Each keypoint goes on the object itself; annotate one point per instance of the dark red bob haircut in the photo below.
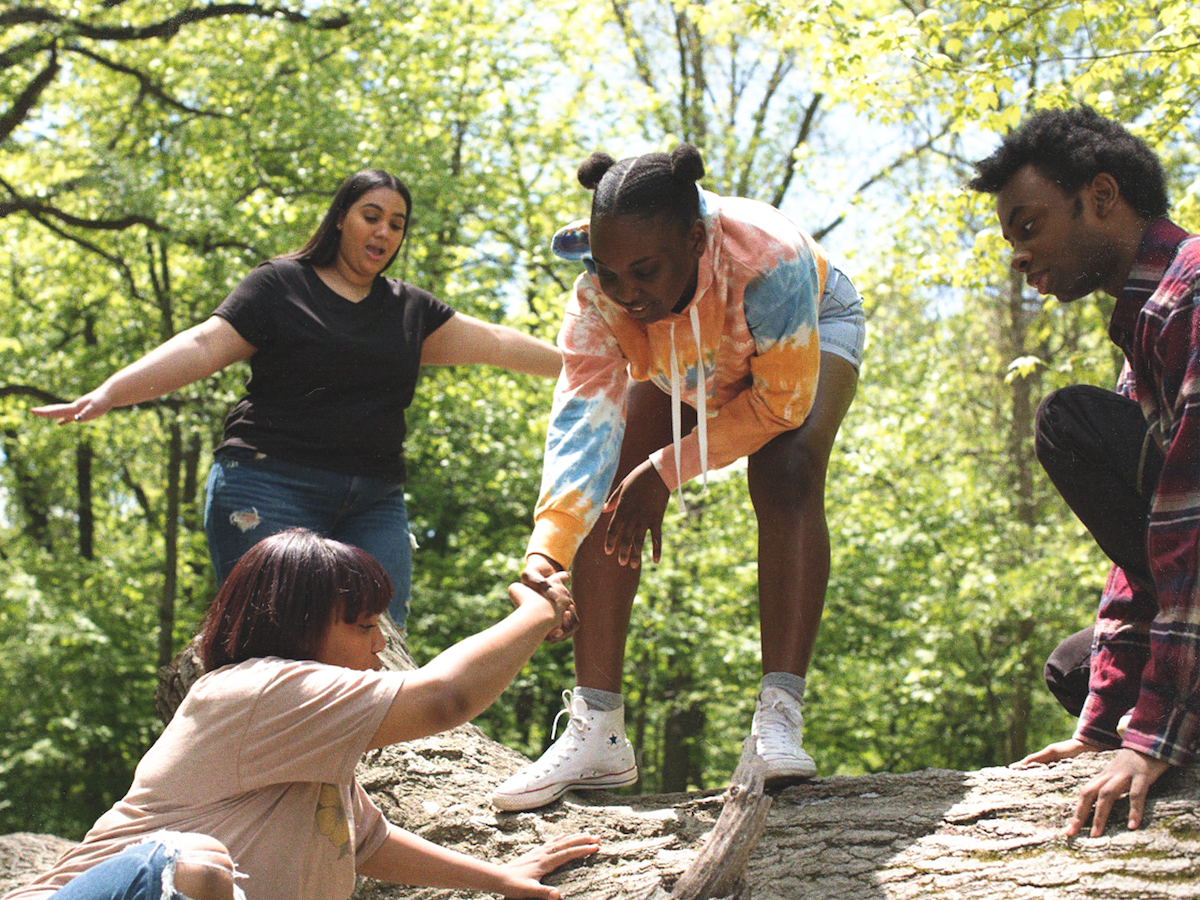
(283, 594)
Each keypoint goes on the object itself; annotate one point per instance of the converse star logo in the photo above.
(612, 739)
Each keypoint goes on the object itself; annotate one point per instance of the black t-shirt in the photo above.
(329, 379)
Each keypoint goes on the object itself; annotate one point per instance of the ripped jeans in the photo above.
(144, 871)
(251, 496)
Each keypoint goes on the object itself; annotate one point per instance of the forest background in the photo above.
(153, 151)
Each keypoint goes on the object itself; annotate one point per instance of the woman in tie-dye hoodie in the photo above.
(691, 340)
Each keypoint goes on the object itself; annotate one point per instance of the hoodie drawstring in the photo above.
(701, 405)
(676, 415)
(701, 394)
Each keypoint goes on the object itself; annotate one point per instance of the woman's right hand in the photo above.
(544, 576)
(525, 874)
(89, 406)
(555, 593)
(187, 357)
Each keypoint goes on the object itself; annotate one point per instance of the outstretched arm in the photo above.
(462, 681)
(405, 858)
(465, 340)
(189, 356)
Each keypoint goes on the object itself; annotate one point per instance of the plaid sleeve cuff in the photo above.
(1098, 723)
(1164, 731)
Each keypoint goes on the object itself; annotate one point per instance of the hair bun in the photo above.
(687, 164)
(592, 169)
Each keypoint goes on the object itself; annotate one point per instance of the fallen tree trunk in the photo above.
(993, 834)
(987, 835)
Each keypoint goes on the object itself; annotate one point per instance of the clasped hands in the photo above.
(544, 577)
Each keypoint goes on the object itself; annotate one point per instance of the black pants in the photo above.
(1096, 448)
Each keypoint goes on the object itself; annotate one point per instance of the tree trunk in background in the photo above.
(83, 490)
(1022, 465)
(682, 730)
(170, 587)
(1020, 426)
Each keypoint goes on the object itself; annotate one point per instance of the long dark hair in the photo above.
(282, 595)
(321, 249)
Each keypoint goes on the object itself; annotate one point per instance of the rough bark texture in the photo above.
(987, 834)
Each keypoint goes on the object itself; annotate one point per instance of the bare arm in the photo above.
(462, 681)
(539, 575)
(465, 340)
(405, 858)
(189, 356)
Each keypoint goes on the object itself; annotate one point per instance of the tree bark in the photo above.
(994, 834)
(720, 868)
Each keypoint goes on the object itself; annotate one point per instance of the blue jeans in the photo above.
(251, 496)
(133, 874)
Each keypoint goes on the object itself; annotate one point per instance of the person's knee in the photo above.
(792, 481)
(1067, 671)
(1048, 430)
(204, 869)
(1076, 420)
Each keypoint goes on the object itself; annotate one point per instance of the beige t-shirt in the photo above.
(260, 756)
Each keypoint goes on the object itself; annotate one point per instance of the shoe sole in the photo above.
(782, 781)
(542, 796)
(785, 775)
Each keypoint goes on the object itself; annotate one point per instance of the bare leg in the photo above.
(204, 870)
(604, 589)
(787, 487)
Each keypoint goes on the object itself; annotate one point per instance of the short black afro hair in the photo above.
(1071, 147)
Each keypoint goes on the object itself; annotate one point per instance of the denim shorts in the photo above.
(840, 319)
(251, 496)
(143, 871)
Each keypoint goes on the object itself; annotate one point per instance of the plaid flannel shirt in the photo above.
(1146, 654)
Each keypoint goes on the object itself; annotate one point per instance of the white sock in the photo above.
(785, 681)
(601, 701)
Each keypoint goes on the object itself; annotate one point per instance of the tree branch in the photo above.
(147, 86)
(641, 61)
(810, 114)
(165, 28)
(28, 390)
(24, 103)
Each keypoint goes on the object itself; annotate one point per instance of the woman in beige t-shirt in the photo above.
(250, 790)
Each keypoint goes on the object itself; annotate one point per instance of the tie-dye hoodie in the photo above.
(753, 321)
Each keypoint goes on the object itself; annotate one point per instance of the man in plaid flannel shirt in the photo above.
(1082, 202)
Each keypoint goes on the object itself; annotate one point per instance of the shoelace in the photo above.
(559, 749)
(777, 724)
(569, 711)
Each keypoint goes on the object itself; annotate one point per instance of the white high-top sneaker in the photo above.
(778, 727)
(592, 752)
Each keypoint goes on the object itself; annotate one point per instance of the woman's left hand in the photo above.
(637, 506)
(527, 871)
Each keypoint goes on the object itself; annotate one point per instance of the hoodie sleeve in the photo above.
(781, 313)
(583, 441)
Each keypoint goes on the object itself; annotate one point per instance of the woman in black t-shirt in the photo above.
(334, 349)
